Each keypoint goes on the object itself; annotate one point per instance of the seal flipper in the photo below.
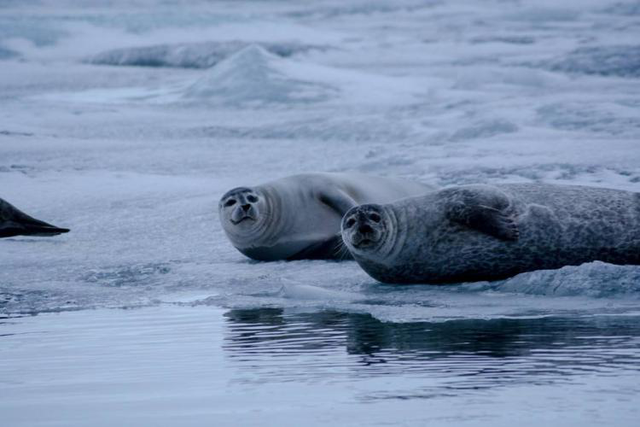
(14, 222)
(484, 209)
(332, 248)
(338, 201)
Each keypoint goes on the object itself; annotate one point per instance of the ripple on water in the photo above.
(456, 356)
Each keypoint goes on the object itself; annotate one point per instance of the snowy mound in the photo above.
(596, 279)
(188, 55)
(254, 75)
(619, 61)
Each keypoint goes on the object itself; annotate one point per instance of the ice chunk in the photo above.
(587, 117)
(508, 39)
(37, 30)
(253, 75)
(620, 61)
(484, 129)
(309, 292)
(623, 9)
(595, 279)
(250, 77)
(7, 53)
(543, 15)
(189, 55)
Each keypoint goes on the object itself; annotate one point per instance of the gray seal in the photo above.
(482, 232)
(14, 222)
(298, 217)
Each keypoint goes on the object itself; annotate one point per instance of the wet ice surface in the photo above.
(134, 158)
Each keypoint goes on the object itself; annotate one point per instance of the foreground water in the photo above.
(194, 366)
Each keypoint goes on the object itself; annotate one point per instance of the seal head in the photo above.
(244, 213)
(240, 205)
(367, 230)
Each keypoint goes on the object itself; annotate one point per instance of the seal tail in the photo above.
(14, 222)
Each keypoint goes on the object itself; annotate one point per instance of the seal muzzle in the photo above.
(363, 227)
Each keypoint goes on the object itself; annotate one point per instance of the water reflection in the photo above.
(458, 355)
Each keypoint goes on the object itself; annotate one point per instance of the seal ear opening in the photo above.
(338, 201)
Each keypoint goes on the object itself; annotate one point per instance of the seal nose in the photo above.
(246, 207)
(365, 228)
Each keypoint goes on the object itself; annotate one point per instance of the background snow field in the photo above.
(126, 121)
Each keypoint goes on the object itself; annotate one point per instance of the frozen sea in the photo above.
(127, 120)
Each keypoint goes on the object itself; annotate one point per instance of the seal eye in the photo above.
(350, 222)
(252, 198)
(375, 217)
(230, 202)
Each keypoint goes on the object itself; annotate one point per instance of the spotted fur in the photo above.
(443, 236)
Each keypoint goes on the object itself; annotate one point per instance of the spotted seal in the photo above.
(298, 217)
(14, 222)
(483, 232)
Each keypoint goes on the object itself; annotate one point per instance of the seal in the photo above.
(14, 222)
(298, 217)
(482, 232)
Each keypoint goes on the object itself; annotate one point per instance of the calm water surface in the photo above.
(174, 365)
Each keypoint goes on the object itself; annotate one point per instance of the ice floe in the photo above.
(134, 158)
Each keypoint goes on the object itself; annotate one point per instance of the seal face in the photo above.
(372, 234)
(481, 232)
(363, 227)
(246, 216)
(298, 217)
(242, 205)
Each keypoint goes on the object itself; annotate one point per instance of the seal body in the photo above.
(14, 222)
(482, 232)
(298, 217)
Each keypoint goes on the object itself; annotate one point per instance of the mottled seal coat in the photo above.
(14, 222)
(482, 232)
(298, 217)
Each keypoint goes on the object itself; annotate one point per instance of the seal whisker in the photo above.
(341, 251)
